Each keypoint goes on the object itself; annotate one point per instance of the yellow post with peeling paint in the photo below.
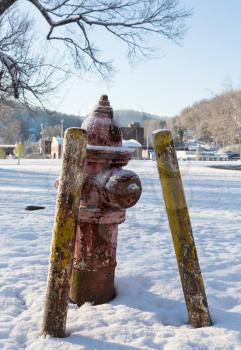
(180, 226)
(66, 218)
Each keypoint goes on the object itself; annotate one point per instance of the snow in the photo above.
(160, 131)
(149, 311)
(109, 149)
(131, 143)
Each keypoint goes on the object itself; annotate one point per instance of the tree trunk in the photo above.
(66, 218)
(180, 226)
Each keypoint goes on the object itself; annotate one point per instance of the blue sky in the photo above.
(209, 58)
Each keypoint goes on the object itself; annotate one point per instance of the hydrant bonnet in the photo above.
(101, 128)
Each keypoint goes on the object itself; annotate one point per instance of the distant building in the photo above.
(7, 150)
(45, 146)
(135, 146)
(133, 131)
(192, 144)
(148, 154)
(201, 155)
(56, 147)
(145, 154)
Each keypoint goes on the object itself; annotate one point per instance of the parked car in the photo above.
(233, 155)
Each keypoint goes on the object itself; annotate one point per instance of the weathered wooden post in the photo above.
(66, 217)
(180, 226)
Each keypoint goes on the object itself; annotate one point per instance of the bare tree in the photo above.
(10, 127)
(22, 73)
(72, 23)
(215, 120)
(233, 113)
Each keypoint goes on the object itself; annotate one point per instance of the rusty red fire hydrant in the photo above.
(107, 191)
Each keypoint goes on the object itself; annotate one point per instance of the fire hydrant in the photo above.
(107, 191)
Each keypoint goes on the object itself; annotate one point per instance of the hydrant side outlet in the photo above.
(107, 191)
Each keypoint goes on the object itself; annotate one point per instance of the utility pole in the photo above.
(62, 128)
(42, 139)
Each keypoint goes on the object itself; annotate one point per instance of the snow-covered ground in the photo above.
(149, 310)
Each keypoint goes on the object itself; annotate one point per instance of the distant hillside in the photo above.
(18, 123)
(148, 121)
(127, 116)
(215, 120)
(32, 122)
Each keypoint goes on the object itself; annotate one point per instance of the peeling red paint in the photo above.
(107, 191)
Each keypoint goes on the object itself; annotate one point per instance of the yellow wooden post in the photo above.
(180, 226)
(66, 218)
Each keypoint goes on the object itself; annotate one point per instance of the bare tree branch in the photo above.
(71, 22)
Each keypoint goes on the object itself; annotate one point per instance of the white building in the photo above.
(135, 146)
(56, 147)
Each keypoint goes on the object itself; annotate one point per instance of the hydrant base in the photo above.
(96, 287)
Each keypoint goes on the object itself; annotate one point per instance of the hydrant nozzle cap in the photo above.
(103, 106)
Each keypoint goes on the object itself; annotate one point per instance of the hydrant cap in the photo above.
(101, 128)
(104, 106)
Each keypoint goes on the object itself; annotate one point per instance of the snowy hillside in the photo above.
(149, 311)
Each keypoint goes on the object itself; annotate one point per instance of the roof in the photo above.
(7, 146)
(131, 143)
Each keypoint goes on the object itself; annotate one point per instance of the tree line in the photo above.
(17, 123)
(216, 120)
